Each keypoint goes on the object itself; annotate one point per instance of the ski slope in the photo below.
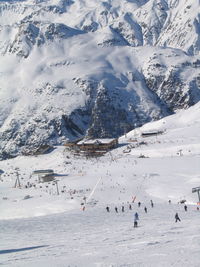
(46, 229)
(95, 238)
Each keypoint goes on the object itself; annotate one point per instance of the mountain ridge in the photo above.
(93, 68)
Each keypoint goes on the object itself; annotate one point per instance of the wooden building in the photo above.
(95, 145)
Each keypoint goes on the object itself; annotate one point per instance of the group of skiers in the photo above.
(136, 216)
(177, 219)
(129, 207)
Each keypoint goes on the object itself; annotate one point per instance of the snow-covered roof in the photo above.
(49, 171)
(96, 141)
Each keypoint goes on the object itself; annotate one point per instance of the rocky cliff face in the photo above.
(75, 68)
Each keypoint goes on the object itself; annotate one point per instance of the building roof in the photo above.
(152, 132)
(49, 171)
(96, 141)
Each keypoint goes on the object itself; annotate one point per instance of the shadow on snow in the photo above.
(5, 251)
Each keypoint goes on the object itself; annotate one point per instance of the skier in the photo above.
(84, 199)
(116, 210)
(136, 216)
(145, 209)
(122, 208)
(177, 217)
(130, 207)
(152, 203)
(185, 207)
(139, 204)
(170, 201)
(108, 209)
(135, 223)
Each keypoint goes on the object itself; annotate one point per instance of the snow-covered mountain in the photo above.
(96, 68)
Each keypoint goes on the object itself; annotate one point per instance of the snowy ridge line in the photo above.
(72, 65)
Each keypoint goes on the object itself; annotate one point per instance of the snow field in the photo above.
(97, 238)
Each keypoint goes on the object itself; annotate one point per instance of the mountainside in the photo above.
(160, 166)
(42, 224)
(96, 68)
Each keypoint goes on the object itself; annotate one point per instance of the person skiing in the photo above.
(145, 209)
(185, 207)
(84, 199)
(108, 209)
(135, 223)
(177, 217)
(170, 201)
(139, 204)
(122, 208)
(136, 216)
(116, 210)
(130, 207)
(152, 203)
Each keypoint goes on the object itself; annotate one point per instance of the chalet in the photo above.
(73, 144)
(98, 144)
(44, 175)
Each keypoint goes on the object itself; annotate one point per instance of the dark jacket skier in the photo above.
(145, 209)
(108, 209)
(116, 210)
(135, 223)
(177, 218)
(185, 208)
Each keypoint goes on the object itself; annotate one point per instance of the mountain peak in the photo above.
(91, 67)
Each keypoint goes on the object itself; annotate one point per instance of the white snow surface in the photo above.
(46, 229)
